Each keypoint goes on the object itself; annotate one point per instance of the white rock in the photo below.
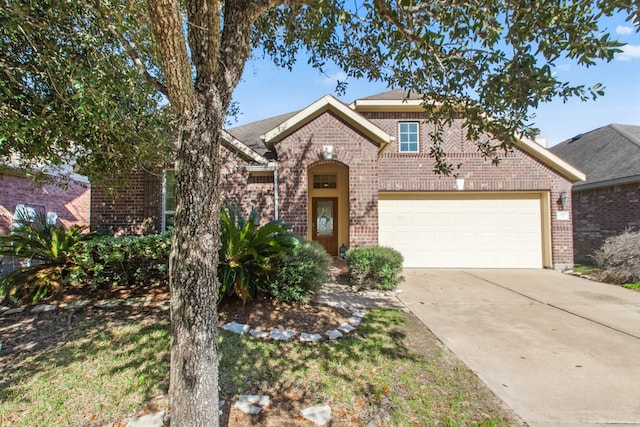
(40, 308)
(248, 408)
(255, 399)
(282, 334)
(259, 334)
(3, 308)
(235, 327)
(14, 310)
(78, 304)
(334, 334)
(357, 313)
(108, 303)
(319, 415)
(355, 321)
(305, 337)
(346, 328)
(150, 420)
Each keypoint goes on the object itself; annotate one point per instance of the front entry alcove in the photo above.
(328, 205)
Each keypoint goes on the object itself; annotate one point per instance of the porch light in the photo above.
(563, 200)
(327, 152)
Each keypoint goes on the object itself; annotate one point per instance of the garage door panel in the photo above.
(471, 231)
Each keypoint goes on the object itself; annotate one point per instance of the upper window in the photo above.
(324, 181)
(408, 137)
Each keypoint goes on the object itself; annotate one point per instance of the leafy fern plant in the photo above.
(48, 250)
(248, 252)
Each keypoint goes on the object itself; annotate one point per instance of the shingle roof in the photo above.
(250, 133)
(609, 153)
(394, 94)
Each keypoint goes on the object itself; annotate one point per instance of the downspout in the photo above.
(275, 189)
(276, 185)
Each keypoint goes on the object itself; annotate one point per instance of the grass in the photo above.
(589, 270)
(391, 370)
(586, 269)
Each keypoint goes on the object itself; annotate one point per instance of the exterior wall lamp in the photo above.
(327, 152)
(563, 200)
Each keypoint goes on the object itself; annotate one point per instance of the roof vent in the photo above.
(575, 138)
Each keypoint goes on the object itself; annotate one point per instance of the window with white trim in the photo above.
(409, 141)
(169, 199)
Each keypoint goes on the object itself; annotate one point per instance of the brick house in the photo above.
(608, 202)
(65, 199)
(361, 174)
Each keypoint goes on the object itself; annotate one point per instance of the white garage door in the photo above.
(470, 230)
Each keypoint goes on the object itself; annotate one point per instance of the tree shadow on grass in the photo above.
(343, 371)
(96, 363)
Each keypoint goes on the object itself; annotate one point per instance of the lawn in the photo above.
(392, 371)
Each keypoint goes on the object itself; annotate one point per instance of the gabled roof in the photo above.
(324, 104)
(250, 133)
(608, 155)
(243, 149)
(392, 100)
(544, 155)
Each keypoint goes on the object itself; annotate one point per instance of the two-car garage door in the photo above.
(463, 230)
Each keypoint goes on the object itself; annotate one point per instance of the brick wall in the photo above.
(303, 149)
(69, 199)
(601, 213)
(517, 171)
(136, 208)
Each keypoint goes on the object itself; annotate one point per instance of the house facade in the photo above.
(65, 200)
(361, 174)
(608, 202)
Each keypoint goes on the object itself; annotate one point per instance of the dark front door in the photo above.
(325, 223)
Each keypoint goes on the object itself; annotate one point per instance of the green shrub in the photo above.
(248, 252)
(619, 258)
(129, 260)
(374, 267)
(300, 273)
(49, 251)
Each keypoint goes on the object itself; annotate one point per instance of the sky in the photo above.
(266, 91)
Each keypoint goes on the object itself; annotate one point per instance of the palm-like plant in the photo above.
(248, 252)
(48, 250)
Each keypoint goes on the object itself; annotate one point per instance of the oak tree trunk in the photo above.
(193, 261)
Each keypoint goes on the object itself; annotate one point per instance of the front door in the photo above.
(325, 223)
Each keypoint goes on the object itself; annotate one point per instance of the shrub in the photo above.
(300, 273)
(49, 251)
(129, 260)
(374, 266)
(619, 258)
(248, 252)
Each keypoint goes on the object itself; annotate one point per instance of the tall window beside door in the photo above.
(409, 139)
(169, 199)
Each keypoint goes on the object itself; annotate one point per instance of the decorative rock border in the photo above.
(287, 335)
(104, 303)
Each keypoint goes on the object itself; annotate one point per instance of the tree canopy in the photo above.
(82, 79)
(74, 88)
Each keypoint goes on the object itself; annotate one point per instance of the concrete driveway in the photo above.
(557, 349)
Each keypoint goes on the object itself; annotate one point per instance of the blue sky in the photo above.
(266, 91)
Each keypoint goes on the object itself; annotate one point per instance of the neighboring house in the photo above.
(608, 202)
(66, 200)
(361, 174)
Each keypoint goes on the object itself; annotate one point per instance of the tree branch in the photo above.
(168, 32)
(203, 29)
